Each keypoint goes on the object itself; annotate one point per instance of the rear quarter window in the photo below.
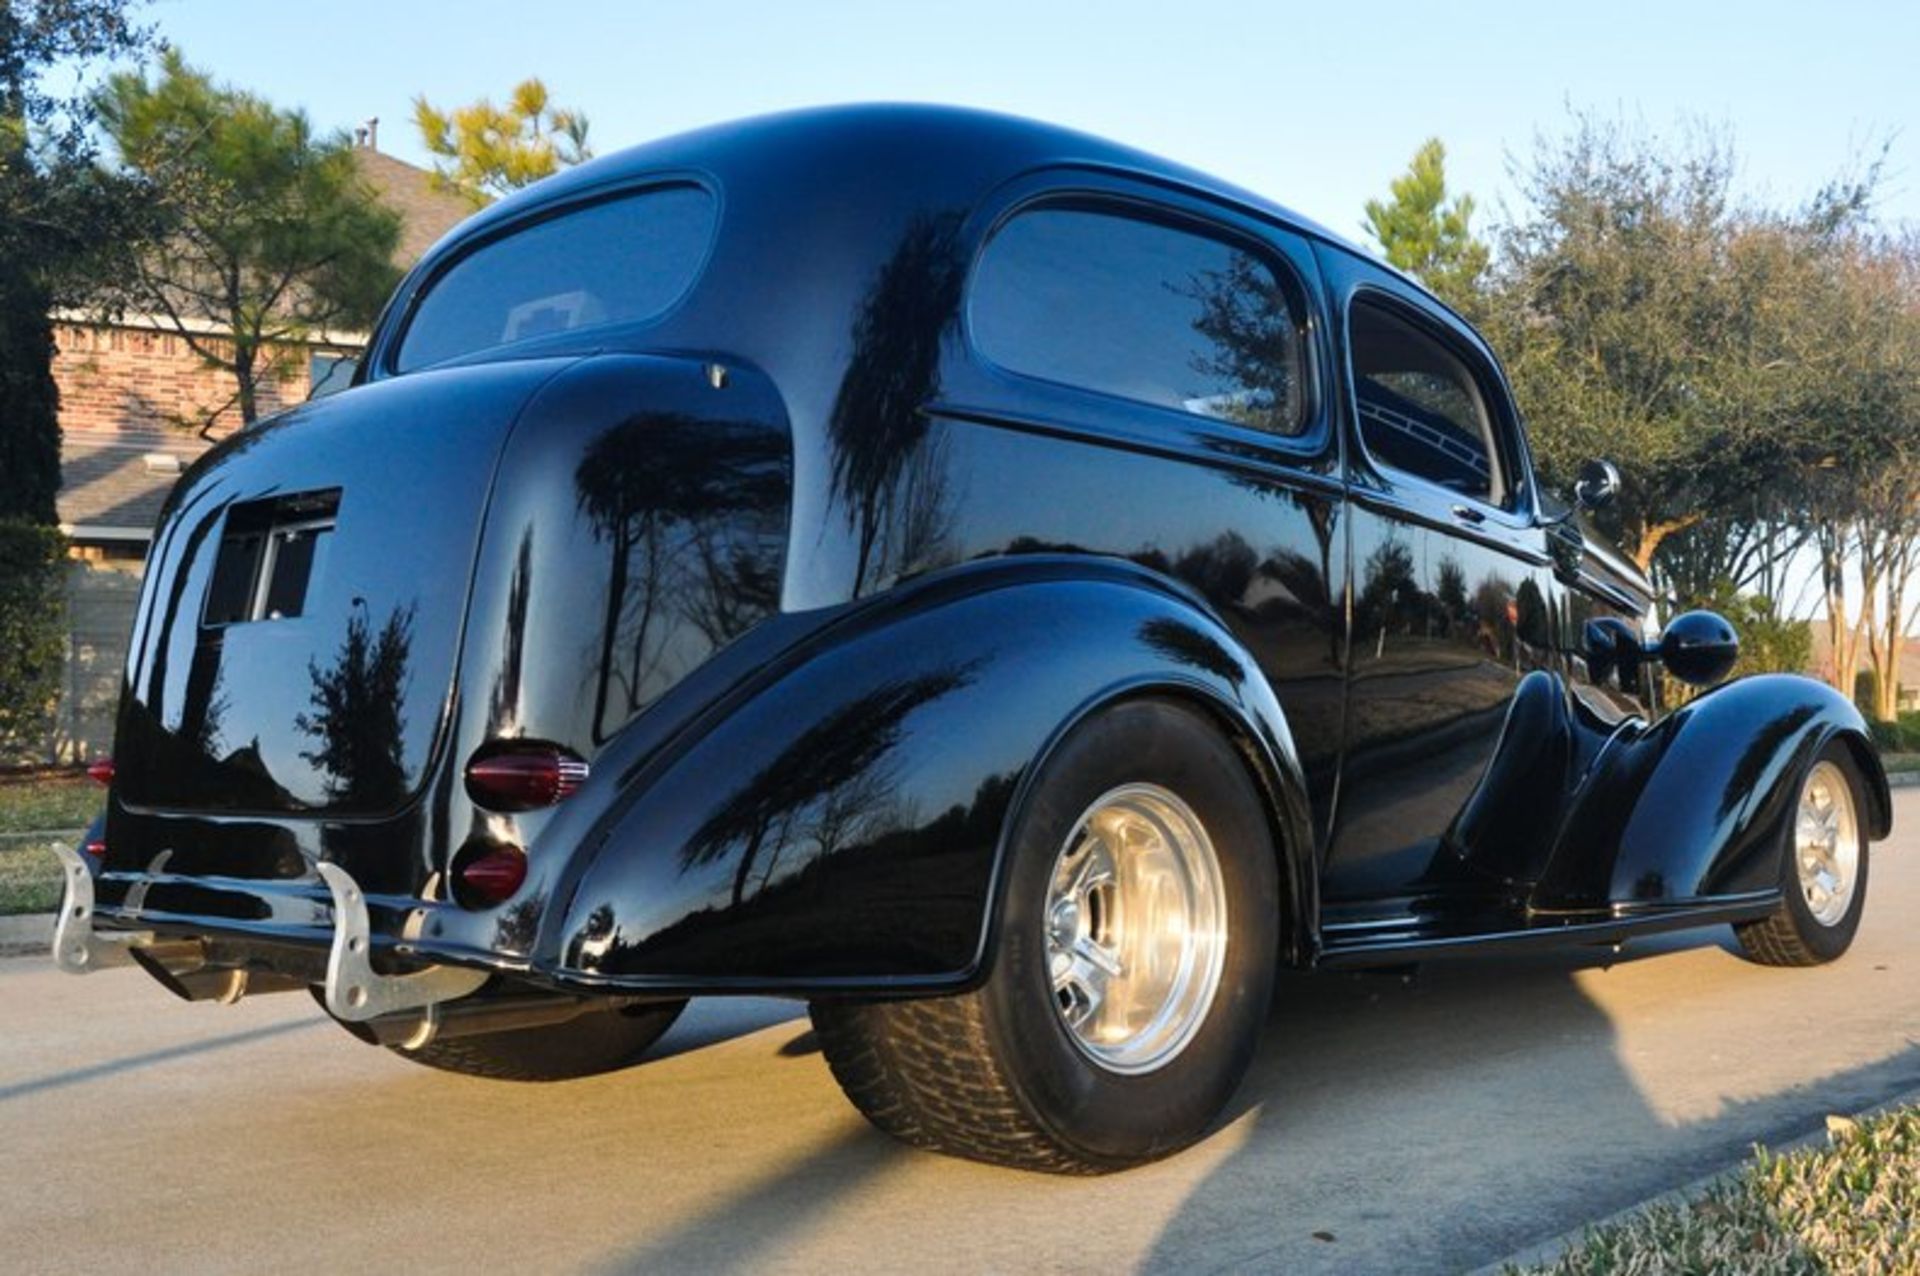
(626, 260)
(1140, 309)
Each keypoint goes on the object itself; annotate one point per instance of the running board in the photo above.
(1359, 948)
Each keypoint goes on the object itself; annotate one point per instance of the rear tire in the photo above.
(598, 1041)
(1037, 1071)
(1823, 869)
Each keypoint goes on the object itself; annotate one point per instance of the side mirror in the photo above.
(1612, 646)
(1698, 648)
(1598, 484)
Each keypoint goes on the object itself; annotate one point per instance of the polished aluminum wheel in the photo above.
(1826, 844)
(1136, 928)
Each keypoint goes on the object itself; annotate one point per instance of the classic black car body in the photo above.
(814, 585)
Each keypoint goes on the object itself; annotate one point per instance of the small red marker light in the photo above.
(100, 771)
(95, 847)
(492, 876)
(524, 777)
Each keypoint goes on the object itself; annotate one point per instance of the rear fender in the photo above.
(1693, 807)
(838, 822)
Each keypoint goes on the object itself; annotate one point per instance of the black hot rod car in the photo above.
(1005, 589)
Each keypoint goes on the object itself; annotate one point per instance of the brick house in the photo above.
(133, 397)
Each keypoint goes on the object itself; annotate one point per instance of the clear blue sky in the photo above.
(1316, 106)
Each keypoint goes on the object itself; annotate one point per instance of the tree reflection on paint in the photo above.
(892, 487)
(357, 718)
(695, 513)
(830, 787)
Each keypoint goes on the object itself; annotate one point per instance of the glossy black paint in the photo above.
(1699, 648)
(868, 779)
(814, 587)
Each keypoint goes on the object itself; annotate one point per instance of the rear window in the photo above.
(1145, 311)
(623, 261)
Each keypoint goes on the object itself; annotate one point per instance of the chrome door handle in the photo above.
(1468, 514)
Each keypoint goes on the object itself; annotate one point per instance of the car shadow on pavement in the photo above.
(1442, 1123)
(748, 1225)
(114, 1067)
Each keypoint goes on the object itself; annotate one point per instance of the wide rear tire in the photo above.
(1145, 849)
(598, 1041)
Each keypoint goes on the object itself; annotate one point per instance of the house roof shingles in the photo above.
(110, 489)
(426, 210)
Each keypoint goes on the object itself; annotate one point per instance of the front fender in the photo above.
(1693, 807)
(838, 824)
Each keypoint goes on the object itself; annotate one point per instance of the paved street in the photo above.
(1430, 1127)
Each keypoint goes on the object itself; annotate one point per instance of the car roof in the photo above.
(891, 139)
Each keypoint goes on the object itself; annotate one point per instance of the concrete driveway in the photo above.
(1435, 1126)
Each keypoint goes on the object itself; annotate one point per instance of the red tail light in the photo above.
(100, 771)
(524, 777)
(96, 847)
(490, 876)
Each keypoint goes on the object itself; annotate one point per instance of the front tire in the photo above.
(1823, 883)
(1134, 965)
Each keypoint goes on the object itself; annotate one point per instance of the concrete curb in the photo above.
(1550, 1250)
(1903, 779)
(27, 935)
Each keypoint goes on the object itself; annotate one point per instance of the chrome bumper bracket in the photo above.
(78, 948)
(355, 991)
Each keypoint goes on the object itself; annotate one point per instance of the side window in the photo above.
(1144, 311)
(1421, 408)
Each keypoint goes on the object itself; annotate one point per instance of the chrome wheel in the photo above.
(1136, 928)
(1826, 844)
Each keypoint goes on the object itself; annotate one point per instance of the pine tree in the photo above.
(488, 151)
(1427, 236)
(267, 233)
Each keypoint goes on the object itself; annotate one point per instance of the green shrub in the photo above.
(32, 636)
(1897, 737)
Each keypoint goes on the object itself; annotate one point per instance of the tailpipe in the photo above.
(187, 969)
(478, 1016)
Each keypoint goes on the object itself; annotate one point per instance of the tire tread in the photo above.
(1774, 940)
(924, 1072)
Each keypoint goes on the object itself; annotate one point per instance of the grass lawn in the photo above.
(1850, 1207)
(29, 875)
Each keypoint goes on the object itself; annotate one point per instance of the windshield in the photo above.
(622, 261)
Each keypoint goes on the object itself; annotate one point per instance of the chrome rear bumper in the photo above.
(353, 992)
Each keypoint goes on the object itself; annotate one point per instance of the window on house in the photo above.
(329, 372)
(1420, 406)
(1145, 311)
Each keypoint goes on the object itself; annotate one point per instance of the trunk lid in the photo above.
(300, 622)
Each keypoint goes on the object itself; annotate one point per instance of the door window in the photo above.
(1421, 408)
